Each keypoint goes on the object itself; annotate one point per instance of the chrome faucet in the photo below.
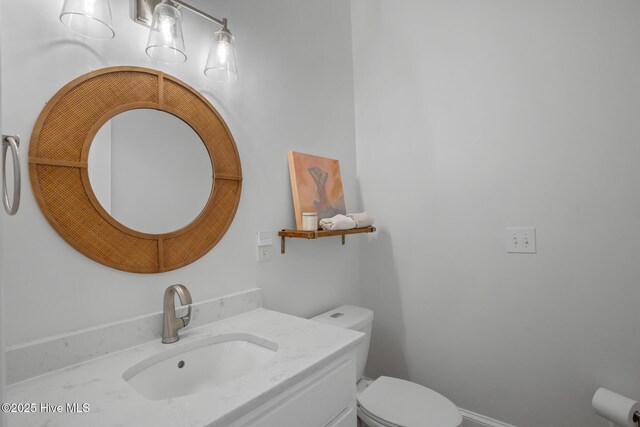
(171, 324)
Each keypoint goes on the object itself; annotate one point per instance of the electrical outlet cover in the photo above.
(264, 253)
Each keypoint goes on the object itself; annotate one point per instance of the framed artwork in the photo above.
(316, 186)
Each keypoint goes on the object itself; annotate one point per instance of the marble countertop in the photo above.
(303, 348)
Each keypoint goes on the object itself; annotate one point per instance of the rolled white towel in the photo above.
(362, 219)
(338, 222)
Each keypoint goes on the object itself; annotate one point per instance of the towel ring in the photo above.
(13, 142)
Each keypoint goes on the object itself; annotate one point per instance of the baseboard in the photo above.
(471, 419)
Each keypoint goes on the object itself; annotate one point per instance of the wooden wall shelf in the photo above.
(301, 234)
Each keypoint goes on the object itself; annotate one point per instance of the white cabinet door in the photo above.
(314, 402)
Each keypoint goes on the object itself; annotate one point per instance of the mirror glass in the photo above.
(150, 171)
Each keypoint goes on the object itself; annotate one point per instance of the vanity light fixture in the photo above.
(167, 44)
(92, 18)
(89, 18)
(221, 62)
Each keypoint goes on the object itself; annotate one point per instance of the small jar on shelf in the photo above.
(310, 221)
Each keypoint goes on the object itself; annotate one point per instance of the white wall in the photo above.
(2, 346)
(2, 301)
(478, 115)
(295, 93)
(2, 314)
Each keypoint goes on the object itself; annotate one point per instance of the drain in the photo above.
(181, 364)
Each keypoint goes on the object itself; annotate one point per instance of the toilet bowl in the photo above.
(386, 401)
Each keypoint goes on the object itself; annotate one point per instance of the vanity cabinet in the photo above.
(308, 378)
(326, 398)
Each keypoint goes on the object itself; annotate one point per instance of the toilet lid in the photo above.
(408, 404)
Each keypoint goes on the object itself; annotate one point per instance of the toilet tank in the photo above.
(357, 319)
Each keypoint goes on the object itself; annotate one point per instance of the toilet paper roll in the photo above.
(614, 407)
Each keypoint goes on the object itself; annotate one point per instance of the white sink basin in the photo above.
(186, 368)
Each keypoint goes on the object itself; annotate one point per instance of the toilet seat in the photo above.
(397, 403)
(372, 421)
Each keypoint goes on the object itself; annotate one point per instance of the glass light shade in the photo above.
(221, 62)
(90, 18)
(166, 43)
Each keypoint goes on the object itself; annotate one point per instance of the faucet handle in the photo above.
(186, 319)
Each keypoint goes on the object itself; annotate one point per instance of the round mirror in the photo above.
(150, 171)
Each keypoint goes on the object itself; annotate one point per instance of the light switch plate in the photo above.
(520, 240)
(265, 238)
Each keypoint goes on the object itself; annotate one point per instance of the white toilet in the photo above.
(390, 402)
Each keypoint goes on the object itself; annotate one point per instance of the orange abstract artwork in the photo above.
(316, 186)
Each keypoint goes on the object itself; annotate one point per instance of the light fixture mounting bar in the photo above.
(221, 22)
(143, 11)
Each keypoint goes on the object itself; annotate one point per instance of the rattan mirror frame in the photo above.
(58, 169)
